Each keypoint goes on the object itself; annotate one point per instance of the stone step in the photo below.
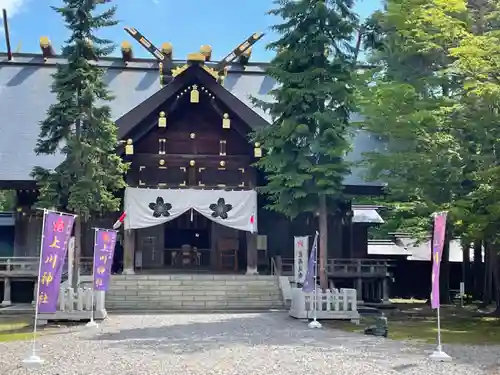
(194, 286)
(193, 292)
(191, 298)
(194, 305)
(184, 277)
(214, 297)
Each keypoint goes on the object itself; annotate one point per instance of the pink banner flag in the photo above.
(437, 251)
(57, 229)
(104, 249)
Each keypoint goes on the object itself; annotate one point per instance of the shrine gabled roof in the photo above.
(25, 96)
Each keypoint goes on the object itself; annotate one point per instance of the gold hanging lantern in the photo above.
(162, 120)
(129, 147)
(195, 94)
(226, 121)
(160, 68)
(257, 150)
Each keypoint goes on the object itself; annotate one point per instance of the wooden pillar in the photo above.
(252, 237)
(6, 293)
(35, 296)
(128, 252)
(251, 253)
(21, 227)
(359, 289)
(385, 290)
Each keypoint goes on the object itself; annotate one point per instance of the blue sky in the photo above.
(187, 24)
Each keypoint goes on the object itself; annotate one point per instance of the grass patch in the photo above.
(403, 301)
(12, 326)
(16, 336)
(454, 329)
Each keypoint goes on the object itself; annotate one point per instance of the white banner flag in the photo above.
(301, 246)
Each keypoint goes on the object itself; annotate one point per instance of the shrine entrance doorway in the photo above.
(195, 230)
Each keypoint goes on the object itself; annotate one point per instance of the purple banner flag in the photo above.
(437, 251)
(55, 237)
(104, 250)
(310, 280)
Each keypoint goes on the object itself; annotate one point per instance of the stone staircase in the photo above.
(193, 292)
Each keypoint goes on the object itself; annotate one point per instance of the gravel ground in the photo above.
(240, 344)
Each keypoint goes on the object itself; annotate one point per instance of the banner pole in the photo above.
(436, 253)
(33, 359)
(315, 323)
(92, 323)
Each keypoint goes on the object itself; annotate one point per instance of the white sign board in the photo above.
(301, 250)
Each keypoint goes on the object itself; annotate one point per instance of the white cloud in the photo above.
(13, 6)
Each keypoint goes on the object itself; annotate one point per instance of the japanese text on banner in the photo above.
(56, 234)
(104, 249)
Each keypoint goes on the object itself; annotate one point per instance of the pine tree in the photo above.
(308, 139)
(79, 126)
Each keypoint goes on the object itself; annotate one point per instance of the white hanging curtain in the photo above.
(150, 207)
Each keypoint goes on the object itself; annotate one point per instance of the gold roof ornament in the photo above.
(46, 47)
(257, 150)
(179, 70)
(162, 120)
(226, 121)
(129, 147)
(127, 53)
(206, 50)
(195, 57)
(194, 95)
(167, 49)
(245, 56)
(210, 71)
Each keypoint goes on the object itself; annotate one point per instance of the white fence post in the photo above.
(331, 304)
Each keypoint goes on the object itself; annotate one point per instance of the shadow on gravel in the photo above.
(273, 329)
(254, 330)
(248, 330)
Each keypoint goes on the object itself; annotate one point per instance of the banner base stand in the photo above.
(91, 324)
(33, 361)
(314, 324)
(440, 356)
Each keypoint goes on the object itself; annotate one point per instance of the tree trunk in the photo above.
(323, 241)
(78, 252)
(444, 277)
(478, 274)
(496, 277)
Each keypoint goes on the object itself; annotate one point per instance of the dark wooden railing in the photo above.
(341, 268)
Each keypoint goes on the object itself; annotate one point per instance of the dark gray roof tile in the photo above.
(25, 96)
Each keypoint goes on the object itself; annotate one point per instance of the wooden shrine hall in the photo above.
(184, 125)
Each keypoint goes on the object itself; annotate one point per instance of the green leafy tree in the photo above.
(79, 125)
(441, 121)
(308, 139)
(7, 200)
(407, 102)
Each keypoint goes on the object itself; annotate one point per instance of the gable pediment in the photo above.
(192, 75)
